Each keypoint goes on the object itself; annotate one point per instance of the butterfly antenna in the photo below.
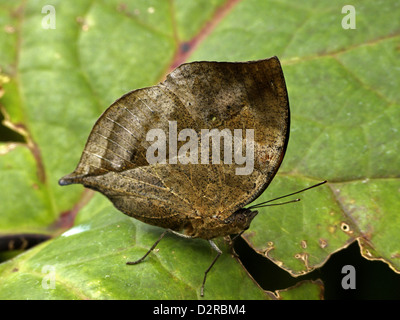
(260, 205)
(264, 204)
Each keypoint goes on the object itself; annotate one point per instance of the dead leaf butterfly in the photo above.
(188, 154)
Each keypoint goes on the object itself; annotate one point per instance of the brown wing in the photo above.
(198, 95)
(247, 95)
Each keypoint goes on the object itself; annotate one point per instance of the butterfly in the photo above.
(171, 155)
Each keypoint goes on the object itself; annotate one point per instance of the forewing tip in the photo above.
(68, 179)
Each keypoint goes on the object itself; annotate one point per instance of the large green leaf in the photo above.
(89, 262)
(54, 84)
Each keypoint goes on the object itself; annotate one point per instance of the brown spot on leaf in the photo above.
(346, 228)
(323, 243)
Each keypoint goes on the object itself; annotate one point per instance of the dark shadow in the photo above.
(374, 279)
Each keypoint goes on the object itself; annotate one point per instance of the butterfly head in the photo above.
(241, 219)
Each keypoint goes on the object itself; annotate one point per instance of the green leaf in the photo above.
(26, 206)
(370, 204)
(301, 236)
(343, 103)
(304, 290)
(54, 84)
(89, 262)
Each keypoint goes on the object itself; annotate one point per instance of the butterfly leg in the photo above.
(219, 252)
(214, 246)
(150, 250)
(237, 236)
(180, 234)
(156, 243)
(231, 241)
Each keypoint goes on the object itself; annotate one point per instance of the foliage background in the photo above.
(344, 97)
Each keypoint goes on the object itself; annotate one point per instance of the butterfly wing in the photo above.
(198, 95)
